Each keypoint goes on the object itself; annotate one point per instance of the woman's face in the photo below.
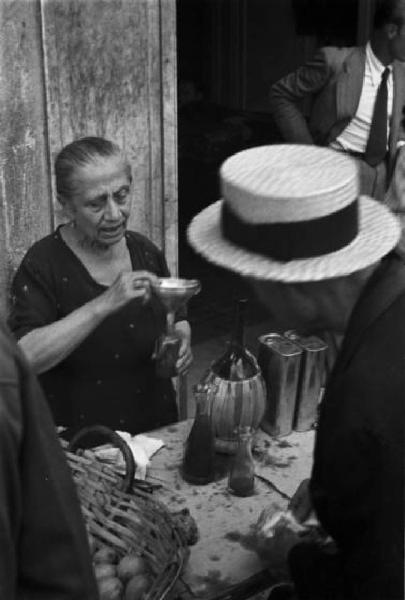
(100, 205)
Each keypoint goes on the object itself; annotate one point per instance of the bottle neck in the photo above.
(202, 405)
(238, 334)
(245, 439)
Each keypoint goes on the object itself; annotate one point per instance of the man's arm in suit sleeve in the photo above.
(287, 94)
(395, 195)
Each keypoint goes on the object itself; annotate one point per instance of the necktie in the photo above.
(377, 140)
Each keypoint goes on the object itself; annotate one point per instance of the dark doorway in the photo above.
(229, 53)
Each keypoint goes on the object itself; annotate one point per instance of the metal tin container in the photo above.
(311, 380)
(279, 360)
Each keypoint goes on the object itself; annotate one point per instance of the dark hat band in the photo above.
(293, 240)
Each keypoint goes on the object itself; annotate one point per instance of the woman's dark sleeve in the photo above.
(33, 302)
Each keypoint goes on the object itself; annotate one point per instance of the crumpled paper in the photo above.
(143, 447)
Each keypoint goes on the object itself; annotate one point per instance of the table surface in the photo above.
(224, 555)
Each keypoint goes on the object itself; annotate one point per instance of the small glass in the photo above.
(242, 474)
(199, 453)
(173, 294)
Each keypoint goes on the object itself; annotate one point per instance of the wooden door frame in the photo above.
(169, 133)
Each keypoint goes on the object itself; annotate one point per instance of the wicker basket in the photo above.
(125, 518)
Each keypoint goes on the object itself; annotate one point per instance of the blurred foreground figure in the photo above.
(43, 544)
(322, 258)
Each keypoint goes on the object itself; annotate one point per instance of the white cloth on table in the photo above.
(143, 447)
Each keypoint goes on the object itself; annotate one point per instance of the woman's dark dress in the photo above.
(109, 378)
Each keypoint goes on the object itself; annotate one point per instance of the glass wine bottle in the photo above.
(199, 453)
(237, 363)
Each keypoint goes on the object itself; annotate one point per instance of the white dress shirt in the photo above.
(355, 136)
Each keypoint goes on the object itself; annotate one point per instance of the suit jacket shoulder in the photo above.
(337, 58)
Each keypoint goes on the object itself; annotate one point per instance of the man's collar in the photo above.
(376, 66)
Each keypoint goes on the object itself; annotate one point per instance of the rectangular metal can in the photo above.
(279, 360)
(311, 379)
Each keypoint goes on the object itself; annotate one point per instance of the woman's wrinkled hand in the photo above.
(185, 356)
(128, 286)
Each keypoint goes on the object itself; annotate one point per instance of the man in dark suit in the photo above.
(343, 86)
(321, 257)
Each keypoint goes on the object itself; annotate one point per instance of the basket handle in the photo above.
(116, 440)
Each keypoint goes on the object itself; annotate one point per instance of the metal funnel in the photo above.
(174, 292)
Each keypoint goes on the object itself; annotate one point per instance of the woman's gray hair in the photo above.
(78, 154)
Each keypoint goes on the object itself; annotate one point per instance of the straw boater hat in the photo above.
(292, 213)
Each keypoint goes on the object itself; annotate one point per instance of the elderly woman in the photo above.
(83, 308)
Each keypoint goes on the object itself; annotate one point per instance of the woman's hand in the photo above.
(185, 356)
(127, 286)
(47, 346)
